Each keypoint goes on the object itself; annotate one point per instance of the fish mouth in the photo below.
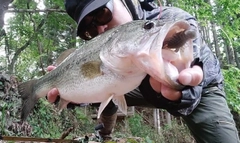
(175, 42)
(178, 35)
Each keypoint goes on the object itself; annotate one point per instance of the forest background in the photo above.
(34, 33)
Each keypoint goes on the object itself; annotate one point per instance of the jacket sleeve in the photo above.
(203, 57)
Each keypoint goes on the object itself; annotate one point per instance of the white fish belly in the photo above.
(99, 89)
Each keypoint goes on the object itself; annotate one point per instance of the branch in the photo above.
(19, 51)
(66, 133)
(35, 10)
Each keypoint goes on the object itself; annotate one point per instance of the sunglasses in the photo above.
(88, 26)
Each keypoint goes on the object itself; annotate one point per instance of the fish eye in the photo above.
(148, 25)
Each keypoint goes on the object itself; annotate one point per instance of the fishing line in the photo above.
(160, 12)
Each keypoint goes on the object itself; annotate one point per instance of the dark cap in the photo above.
(78, 9)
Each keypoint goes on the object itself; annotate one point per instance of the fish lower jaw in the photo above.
(170, 69)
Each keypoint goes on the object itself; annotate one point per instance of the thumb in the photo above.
(191, 76)
(52, 95)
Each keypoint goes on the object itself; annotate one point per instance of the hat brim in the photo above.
(93, 5)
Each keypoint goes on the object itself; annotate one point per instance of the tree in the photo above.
(36, 36)
(3, 9)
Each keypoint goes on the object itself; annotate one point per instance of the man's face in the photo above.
(90, 23)
(102, 19)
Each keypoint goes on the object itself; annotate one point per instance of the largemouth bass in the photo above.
(114, 63)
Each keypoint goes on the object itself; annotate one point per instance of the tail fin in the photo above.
(29, 99)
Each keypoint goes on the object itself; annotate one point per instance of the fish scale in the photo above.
(113, 64)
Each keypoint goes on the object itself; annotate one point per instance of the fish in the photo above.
(63, 56)
(115, 63)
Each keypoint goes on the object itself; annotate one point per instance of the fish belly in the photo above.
(99, 89)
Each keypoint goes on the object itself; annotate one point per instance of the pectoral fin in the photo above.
(121, 103)
(103, 105)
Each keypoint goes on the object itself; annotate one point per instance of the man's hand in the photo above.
(53, 93)
(190, 76)
(50, 68)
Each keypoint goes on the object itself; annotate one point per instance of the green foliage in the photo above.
(138, 128)
(45, 121)
(232, 87)
(48, 122)
(135, 124)
(177, 133)
(34, 39)
(9, 111)
(169, 134)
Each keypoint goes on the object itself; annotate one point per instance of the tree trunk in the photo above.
(206, 36)
(231, 55)
(3, 8)
(237, 57)
(215, 41)
(203, 32)
(168, 118)
(157, 120)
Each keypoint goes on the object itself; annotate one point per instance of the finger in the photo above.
(170, 93)
(50, 68)
(166, 91)
(191, 76)
(52, 95)
(155, 85)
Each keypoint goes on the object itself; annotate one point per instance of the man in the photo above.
(201, 103)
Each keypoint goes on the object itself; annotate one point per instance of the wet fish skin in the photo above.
(63, 56)
(113, 64)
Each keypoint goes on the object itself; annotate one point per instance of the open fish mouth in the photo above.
(177, 46)
(178, 36)
(177, 51)
(170, 53)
